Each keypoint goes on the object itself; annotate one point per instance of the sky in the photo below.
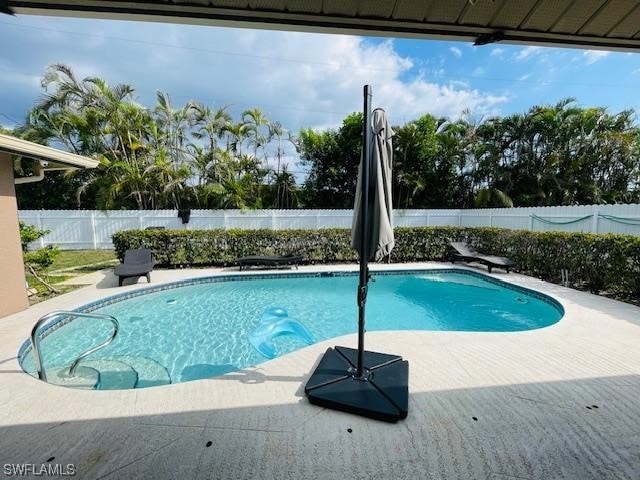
(307, 80)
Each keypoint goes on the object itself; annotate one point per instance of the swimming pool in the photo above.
(200, 328)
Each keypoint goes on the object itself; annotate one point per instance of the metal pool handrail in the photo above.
(35, 339)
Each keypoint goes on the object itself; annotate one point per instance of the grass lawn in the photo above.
(83, 260)
(69, 264)
(43, 291)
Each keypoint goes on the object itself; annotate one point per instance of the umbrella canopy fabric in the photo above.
(380, 212)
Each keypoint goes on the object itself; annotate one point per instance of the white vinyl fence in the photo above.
(86, 229)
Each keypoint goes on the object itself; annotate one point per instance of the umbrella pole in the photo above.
(364, 227)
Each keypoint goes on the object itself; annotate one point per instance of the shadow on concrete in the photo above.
(231, 373)
(7, 360)
(580, 429)
(109, 279)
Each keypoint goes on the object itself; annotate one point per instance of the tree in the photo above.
(254, 123)
(165, 157)
(332, 158)
(492, 198)
(284, 189)
(37, 261)
(175, 124)
(194, 155)
(416, 150)
(211, 127)
(277, 132)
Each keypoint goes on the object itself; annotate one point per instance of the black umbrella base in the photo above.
(382, 393)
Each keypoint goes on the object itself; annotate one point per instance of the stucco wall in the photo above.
(13, 294)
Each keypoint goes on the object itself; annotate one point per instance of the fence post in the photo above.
(93, 229)
(530, 221)
(594, 224)
(39, 224)
(273, 220)
(490, 218)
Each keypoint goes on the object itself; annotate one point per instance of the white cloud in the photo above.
(459, 83)
(456, 51)
(592, 56)
(524, 77)
(300, 79)
(497, 52)
(527, 52)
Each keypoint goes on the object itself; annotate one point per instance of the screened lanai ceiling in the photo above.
(603, 24)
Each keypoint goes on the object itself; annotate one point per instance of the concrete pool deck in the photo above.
(561, 402)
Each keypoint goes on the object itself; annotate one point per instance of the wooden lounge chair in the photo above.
(137, 263)
(463, 251)
(269, 261)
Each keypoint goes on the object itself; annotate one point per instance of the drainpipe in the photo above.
(40, 169)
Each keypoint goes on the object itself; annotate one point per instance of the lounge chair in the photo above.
(269, 260)
(465, 252)
(137, 263)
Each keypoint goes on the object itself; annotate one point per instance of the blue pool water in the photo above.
(201, 330)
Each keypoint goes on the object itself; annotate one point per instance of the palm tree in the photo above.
(276, 131)
(254, 120)
(286, 189)
(492, 197)
(236, 135)
(79, 113)
(213, 125)
(176, 124)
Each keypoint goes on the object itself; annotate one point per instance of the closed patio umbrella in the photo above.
(366, 383)
(379, 237)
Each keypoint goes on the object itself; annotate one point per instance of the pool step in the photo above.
(150, 372)
(95, 374)
(114, 374)
(86, 378)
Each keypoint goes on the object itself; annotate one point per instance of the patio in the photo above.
(559, 402)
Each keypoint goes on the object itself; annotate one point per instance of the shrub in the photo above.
(39, 259)
(175, 248)
(597, 262)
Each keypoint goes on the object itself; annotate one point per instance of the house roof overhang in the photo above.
(597, 24)
(56, 158)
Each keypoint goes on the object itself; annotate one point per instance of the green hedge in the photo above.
(596, 262)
